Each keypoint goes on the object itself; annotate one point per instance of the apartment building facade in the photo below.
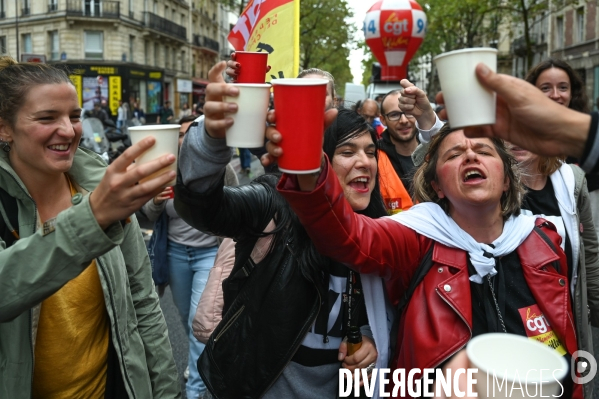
(132, 50)
(576, 40)
(568, 31)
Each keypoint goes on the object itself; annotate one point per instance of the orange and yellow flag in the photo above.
(271, 26)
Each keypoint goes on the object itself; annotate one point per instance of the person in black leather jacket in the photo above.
(284, 318)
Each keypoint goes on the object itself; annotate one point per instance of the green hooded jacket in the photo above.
(39, 264)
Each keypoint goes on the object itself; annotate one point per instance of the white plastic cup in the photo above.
(512, 362)
(167, 142)
(467, 102)
(249, 122)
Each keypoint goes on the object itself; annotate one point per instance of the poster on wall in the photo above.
(94, 90)
(154, 92)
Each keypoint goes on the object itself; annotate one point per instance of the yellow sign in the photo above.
(155, 75)
(104, 70)
(114, 93)
(76, 79)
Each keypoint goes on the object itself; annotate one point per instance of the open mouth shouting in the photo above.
(473, 175)
(360, 184)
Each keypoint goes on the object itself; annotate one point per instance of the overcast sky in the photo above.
(360, 8)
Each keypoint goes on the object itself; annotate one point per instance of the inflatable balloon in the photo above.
(394, 29)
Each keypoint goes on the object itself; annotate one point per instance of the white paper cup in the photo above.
(508, 362)
(167, 142)
(467, 102)
(249, 122)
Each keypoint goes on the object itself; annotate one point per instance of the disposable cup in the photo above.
(253, 66)
(167, 142)
(249, 122)
(513, 366)
(172, 193)
(467, 102)
(299, 107)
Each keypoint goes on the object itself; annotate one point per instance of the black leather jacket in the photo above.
(269, 307)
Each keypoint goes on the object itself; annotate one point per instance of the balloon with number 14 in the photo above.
(394, 29)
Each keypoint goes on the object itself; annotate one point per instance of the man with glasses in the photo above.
(397, 143)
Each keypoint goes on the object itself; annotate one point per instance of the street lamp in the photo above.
(17, 26)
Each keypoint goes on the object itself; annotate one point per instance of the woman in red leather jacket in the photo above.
(493, 269)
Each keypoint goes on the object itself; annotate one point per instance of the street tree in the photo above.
(326, 38)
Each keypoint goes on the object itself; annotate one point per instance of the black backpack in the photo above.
(9, 232)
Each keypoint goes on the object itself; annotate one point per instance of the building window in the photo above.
(131, 42)
(52, 5)
(156, 54)
(3, 45)
(94, 45)
(146, 52)
(559, 32)
(167, 57)
(580, 25)
(53, 45)
(26, 10)
(2, 9)
(183, 62)
(27, 45)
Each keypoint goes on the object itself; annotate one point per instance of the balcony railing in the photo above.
(52, 7)
(2, 15)
(163, 25)
(101, 9)
(206, 42)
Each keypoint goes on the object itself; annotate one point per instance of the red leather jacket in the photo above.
(437, 322)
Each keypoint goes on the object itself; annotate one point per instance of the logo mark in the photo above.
(583, 367)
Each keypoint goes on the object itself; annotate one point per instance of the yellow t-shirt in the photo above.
(71, 349)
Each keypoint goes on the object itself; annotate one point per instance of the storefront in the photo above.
(112, 83)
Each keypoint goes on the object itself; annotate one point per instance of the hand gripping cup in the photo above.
(253, 66)
(249, 122)
(467, 102)
(514, 366)
(299, 108)
(167, 142)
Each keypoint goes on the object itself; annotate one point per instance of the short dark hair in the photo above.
(392, 92)
(188, 118)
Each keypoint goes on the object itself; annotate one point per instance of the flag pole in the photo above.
(296, 37)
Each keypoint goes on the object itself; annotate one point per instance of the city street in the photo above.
(176, 332)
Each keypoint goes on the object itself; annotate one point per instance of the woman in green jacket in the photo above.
(79, 316)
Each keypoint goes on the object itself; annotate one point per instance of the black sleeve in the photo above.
(226, 211)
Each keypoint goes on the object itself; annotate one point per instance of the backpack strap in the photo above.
(9, 229)
(423, 268)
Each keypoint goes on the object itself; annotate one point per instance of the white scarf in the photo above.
(563, 182)
(431, 221)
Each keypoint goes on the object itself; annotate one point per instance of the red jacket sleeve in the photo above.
(380, 246)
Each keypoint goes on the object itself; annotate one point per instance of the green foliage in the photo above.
(367, 62)
(326, 38)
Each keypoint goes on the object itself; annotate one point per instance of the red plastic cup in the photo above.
(299, 107)
(253, 66)
(172, 193)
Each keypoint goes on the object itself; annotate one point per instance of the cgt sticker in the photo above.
(538, 328)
